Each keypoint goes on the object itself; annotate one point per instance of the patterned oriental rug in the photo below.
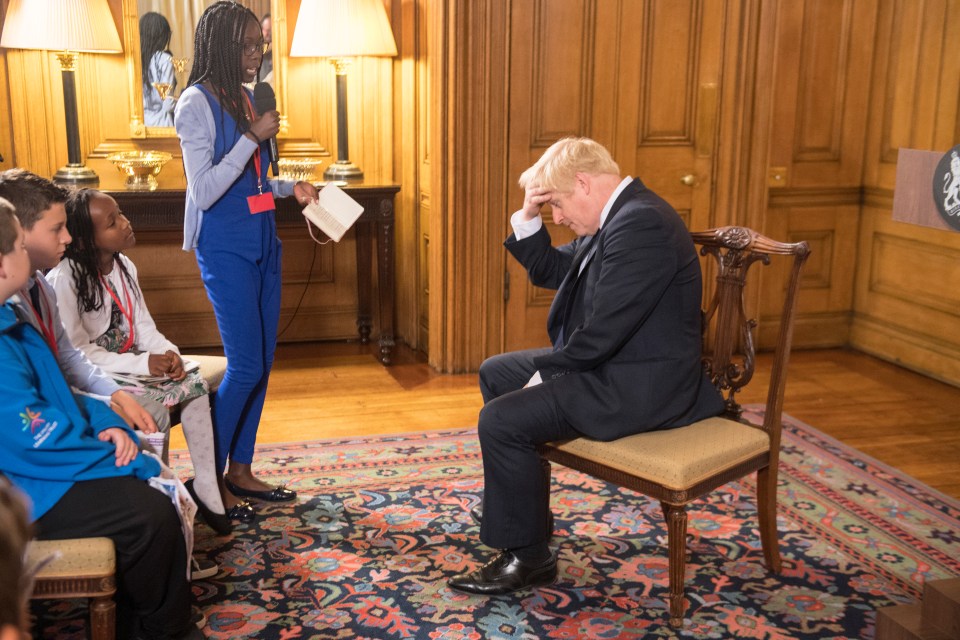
(383, 522)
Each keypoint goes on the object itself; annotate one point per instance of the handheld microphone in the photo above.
(265, 100)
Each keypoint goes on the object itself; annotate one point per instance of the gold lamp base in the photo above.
(343, 170)
(76, 175)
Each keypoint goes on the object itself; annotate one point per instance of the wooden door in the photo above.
(640, 77)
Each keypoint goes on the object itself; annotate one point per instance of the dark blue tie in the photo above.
(582, 250)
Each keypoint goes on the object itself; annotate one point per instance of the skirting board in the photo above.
(914, 351)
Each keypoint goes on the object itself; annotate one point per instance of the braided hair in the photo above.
(217, 51)
(154, 36)
(83, 252)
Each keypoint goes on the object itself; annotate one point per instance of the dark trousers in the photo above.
(513, 422)
(153, 595)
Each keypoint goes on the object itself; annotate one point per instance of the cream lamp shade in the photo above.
(60, 25)
(65, 27)
(340, 30)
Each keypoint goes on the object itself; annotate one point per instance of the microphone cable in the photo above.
(306, 286)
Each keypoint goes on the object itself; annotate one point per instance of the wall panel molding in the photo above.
(814, 196)
(810, 330)
(562, 91)
(902, 270)
(823, 80)
(668, 100)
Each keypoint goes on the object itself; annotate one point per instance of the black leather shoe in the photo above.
(219, 522)
(477, 514)
(242, 512)
(506, 573)
(280, 494)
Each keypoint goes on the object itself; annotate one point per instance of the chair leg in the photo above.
(767, 516)
(546, 470)
(676, 516)
(103, 618)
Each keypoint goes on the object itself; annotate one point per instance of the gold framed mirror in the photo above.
(150, 108)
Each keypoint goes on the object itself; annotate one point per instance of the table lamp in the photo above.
(67, 27)
(341, 30)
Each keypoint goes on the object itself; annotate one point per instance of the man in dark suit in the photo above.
(625, 328)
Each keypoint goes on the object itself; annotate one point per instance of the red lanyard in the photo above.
(256, 154)
(127, 313)
(45, 329)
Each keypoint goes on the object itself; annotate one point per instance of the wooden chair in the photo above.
(678, 466)
(84, 569)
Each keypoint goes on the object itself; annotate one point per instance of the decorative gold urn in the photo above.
(298, 168)
(140, 167)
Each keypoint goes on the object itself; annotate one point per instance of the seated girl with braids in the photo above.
(104, 313)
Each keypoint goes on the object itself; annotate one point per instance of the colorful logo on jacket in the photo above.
(39, 428)
(31, 420)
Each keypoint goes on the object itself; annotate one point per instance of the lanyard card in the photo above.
(261, 202)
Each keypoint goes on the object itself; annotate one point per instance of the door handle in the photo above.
(689, 180)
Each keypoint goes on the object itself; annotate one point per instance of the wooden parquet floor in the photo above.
(333, 390)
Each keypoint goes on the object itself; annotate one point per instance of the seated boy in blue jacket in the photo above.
(78, 463)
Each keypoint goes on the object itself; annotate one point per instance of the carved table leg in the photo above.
(386, 278)
(364, 278)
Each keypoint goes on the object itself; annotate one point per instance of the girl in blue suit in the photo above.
(230, 223)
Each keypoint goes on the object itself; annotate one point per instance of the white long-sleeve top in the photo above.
(84, 328)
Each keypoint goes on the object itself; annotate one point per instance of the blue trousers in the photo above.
(245, 292)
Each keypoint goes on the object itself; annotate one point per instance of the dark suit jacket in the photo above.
(630, 359)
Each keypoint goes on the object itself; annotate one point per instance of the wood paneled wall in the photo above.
(413, 21)
(812, 100)
(822, 54)
(32, 135)
(852, 81)
(36, 124)
(907, 293)
(515, 76)
(469, 75)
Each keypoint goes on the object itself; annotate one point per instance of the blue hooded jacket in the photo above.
(49, 435)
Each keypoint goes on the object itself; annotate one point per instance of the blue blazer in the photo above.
(630, 355)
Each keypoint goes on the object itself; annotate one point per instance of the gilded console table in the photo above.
(162, 210)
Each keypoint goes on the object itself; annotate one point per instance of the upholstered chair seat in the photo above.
(81, 568)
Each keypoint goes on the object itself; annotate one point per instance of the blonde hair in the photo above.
(559, 165)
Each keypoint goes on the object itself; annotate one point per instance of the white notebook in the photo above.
(333, 212)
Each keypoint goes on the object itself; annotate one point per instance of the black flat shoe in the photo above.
(280, 494)
(477, 514)
(242, 512)
(506, 573)
(219, 522)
